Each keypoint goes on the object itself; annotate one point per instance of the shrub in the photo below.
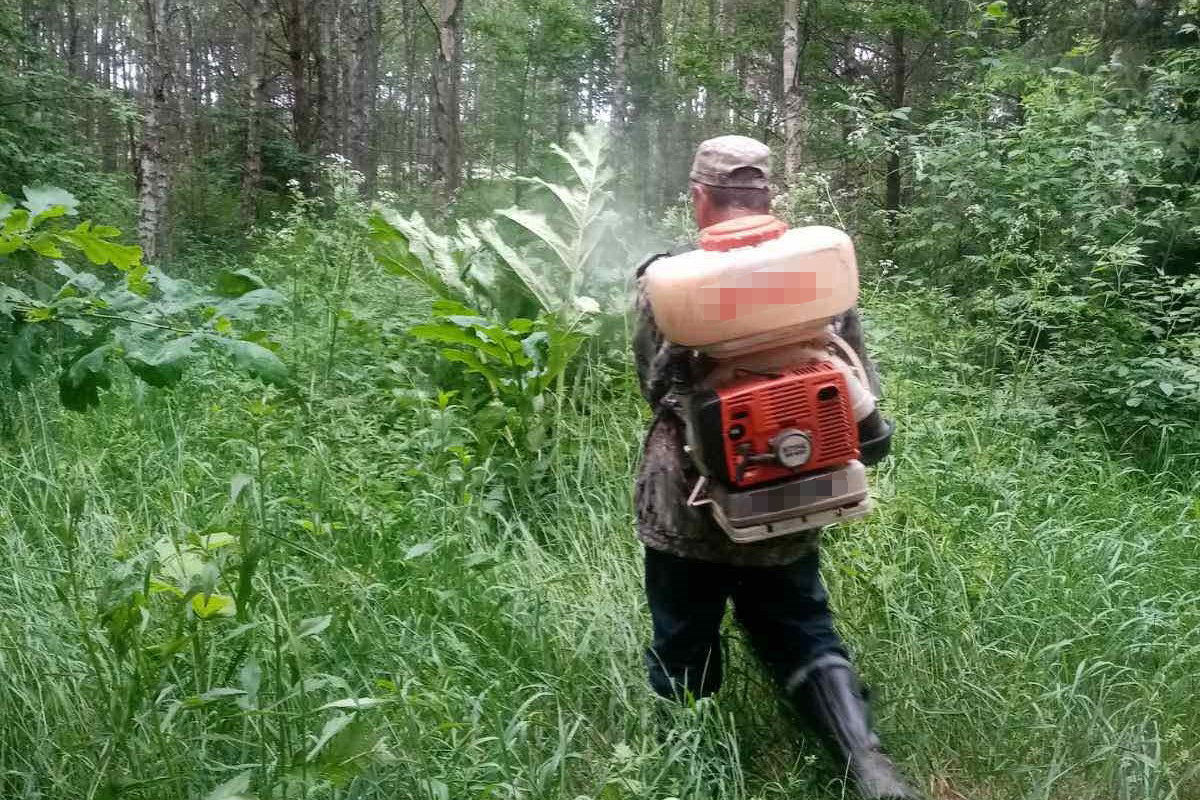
(1067, 227)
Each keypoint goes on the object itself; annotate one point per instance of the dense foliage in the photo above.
(1072, 233)
(322, 488)
(89, 324)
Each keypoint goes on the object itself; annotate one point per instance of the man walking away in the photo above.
(693, 568)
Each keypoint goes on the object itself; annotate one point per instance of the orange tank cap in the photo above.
(742, 232)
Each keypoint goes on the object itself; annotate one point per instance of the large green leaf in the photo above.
(247, 305)
(573, 201)
(16, 222)
(332, 728)
(407, 247)
(160, 363)
(474, 364)
(177, 294)
(45, 202)
(209, 606)
(445, 334)
(539, 226)
(534, 345)
(449, 308)
(257, 360)
(509, 346)
(96, 244)
(561, 346)
(586, 155)
(236, 283)
(84, 280)
(120, 601)
(541, 288)
(236, 788)
(10, 297)
(16, 353)
(43, 245)
(451, 334)
(80, 383)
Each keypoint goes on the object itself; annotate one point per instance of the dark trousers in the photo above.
(784, 611)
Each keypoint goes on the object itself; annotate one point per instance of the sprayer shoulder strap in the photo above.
(672, 251)
(641, 268)
(850, 355)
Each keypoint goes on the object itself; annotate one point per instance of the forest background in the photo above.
(317, 419)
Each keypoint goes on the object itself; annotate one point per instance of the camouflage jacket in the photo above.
(666, 475)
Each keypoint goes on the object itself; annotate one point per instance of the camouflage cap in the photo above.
(717, 159)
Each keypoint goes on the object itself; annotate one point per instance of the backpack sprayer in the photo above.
(782, 425)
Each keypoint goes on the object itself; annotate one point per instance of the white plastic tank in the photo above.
(753, 284)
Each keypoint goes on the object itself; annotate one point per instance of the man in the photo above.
(693, 567)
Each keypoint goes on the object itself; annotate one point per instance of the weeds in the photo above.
(224, 595)
(227, 590)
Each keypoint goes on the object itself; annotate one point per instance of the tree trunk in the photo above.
(73, 52)
(345, 55)
(562, 119)
(637, 133)
(375, 46)
(130, 151)
(196, 93)
(620, 88)
(296, 27)
(326, 80)
(716, 113)
(255, 89)
(521, 141)
(470, 96)
(899, 86)
(110, 136)
(652, 102)
(849, 73)
(795, 112)
(364, 51)
(91, 73)
(447, 67)
(410, 111)
(184, 109)
(156, 68)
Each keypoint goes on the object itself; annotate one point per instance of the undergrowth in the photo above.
(419, 624)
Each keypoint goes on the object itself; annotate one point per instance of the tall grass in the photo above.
(1024, 604)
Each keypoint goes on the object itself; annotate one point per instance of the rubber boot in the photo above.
(829, 695)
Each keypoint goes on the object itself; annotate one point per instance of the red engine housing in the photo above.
(744, 432)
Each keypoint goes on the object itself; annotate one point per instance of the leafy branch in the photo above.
(150, 322)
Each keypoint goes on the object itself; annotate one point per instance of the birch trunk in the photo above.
(156, 69)
(257, 11)
(794, 110)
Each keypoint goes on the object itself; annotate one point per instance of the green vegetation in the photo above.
(316, 471)
(138, 320)
(409, 623)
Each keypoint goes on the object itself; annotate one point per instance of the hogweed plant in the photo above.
(553, 258)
